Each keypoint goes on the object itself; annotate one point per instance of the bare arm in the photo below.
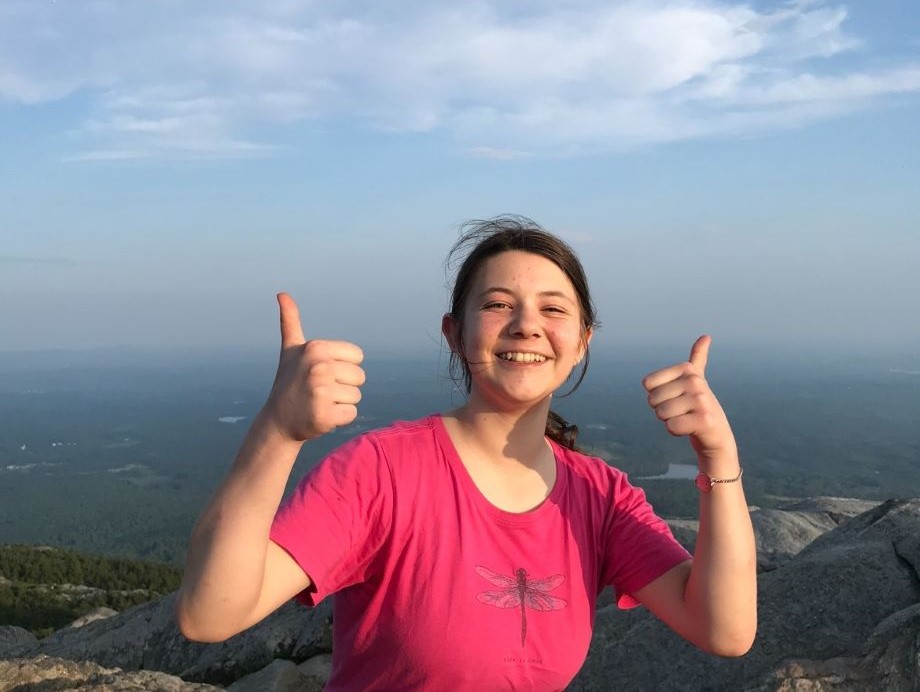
(234, 574)
(711, 601)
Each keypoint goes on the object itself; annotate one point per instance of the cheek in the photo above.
(484, 326)
(568, 336)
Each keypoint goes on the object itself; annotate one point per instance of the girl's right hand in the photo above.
(316, 388)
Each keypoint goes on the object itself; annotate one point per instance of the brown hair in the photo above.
(483, 239)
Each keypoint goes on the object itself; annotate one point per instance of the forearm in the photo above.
(225, 562)
(721, 592)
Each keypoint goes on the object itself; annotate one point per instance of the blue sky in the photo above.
(744, 170)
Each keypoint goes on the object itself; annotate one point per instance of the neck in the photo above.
(512, 438)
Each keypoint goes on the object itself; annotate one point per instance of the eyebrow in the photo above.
(542, 294)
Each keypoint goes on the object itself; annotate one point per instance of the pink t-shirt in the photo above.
(436, 588)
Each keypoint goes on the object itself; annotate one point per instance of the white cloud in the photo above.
(498, 154)
(810, 88)
(212, 78)
(107, 155)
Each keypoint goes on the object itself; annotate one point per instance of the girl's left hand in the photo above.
(681, 397)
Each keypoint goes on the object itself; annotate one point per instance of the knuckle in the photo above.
(698, 382)
(349, 373)
(323, 421)
(347, 414)
(319, 370)
(708, 419)
(316, 349)
(320, 394)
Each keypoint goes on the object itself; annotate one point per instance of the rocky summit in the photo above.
(839, 609)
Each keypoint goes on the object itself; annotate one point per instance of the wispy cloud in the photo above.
(499, 154)
(214, 79)
(108, 155)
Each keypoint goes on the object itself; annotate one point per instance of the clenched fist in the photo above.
(681, 397)
(317, 384)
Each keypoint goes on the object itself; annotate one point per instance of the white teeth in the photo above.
(522, 357)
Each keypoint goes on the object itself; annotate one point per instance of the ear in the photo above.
(584, 345)
(449, 330)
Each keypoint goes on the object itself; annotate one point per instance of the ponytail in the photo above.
(560, 431)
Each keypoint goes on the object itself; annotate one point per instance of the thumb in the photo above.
(699, 354)
(291, 330)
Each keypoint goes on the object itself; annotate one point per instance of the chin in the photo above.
(522, 397)
(523, 401)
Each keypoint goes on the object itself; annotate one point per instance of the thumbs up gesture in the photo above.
(317, 384)
(681, 397)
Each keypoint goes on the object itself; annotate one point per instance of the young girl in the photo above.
(467, 549)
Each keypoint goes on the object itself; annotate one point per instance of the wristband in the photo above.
(706, 483)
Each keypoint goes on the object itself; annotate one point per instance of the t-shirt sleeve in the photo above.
(639, 544)
(338, 518)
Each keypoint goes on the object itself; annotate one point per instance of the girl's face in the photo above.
(522, 330)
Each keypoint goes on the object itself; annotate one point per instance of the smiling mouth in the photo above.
(519, 357)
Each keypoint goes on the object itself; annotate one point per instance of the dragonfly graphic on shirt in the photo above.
(520, 591)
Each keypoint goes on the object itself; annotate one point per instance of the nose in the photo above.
(525, 323)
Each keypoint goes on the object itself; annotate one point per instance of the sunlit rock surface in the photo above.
(839, 609)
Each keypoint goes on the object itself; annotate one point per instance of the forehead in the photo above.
(516, 269)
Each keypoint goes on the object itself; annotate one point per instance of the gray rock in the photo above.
(147, 637)
(783, 532)
(278, 676)
(823, 604)
(838, 611)
(837, 508)
(318, 669)
(293, 632)
(100, 613)
(46, 673)
(891, 520)
(685, 531)
(119, 641)
(15, 641)
(891, 662)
